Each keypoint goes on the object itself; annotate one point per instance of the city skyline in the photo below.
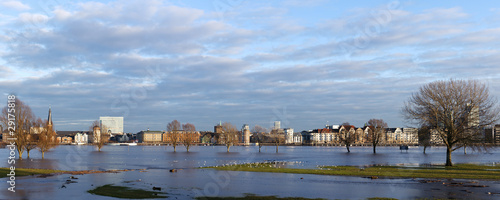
(305, 64)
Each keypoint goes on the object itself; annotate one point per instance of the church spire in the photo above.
(49, 120)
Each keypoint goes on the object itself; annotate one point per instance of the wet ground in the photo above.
(189, 182)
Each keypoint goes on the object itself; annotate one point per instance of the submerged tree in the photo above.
(259, 135)
(277, 138)
(100, 134)
(458, 110)
(173, 134)
(20, 120)
(377, 131)
(347, 135)
(47, 138)
(424, 136)
(229, 135)
(32, 139)
(190, 137)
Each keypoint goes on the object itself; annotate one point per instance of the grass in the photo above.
(125, 192)
(26, 172)
(254, 197)
(459, 171)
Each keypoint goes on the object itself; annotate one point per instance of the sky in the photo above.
(304, 63)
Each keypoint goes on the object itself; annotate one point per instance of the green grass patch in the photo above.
(26, 172)
(254, 197)
(459, 171)
(125, 192)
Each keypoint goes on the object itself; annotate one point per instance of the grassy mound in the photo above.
(26, 172)
(459, 171)
(125, 192)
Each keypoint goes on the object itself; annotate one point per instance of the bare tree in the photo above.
(229, 135)
(377, 131)
(190, 136)
(458, 110)
(32, 140)
(46, 138)
(100, 134)
(424, 136)
(259, 129)
(173, 134)
(277, 138)
(20, 121)
(259, 135)
(347, 135)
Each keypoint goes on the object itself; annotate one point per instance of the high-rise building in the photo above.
(114, 125)
(277, 125)
(289, 135)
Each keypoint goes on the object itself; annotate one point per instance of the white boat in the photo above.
(128, 144)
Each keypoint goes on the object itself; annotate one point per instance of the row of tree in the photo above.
(181, 134)
(29, 131)
(458, 110)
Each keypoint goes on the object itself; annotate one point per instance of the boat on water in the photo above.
(128, 144)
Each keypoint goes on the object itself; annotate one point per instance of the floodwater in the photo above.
(190, 182)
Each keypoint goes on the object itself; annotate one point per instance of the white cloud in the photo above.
(17, 5)
(243, 67)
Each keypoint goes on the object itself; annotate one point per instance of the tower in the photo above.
(245, 132)
(49, 119)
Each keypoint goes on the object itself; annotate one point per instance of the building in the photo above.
(277, 125)
(122, 138)
(410, 136)
(245, 134)
(114, 125)
(218, 128)
(289, 136)
(297, 138)
(153, 137)
(496, 134)
(64, 140)
(81, 138)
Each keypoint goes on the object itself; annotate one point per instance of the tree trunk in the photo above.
(228, 148)
(448, 157)
(347, 146)
(187, 148)
(43, 155)
(277, 148)
(425, 147)
(174, 149)
(20, 155)
(260, 147)
(465, 150)
(374, 148)
(28, 154)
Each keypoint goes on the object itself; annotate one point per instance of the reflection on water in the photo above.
(162, 157)
(189, 182)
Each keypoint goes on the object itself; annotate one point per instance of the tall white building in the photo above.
(113, 124)
(277, 125)
(289, 135)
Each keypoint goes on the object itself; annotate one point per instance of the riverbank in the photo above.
(459, 171)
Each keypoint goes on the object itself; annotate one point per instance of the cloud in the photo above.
(128, 58)
(17, 5)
